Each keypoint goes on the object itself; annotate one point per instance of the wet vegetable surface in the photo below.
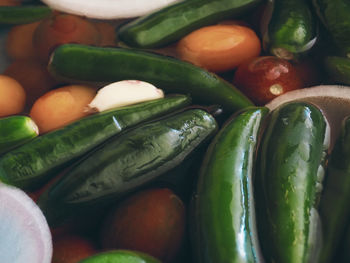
(289, 183)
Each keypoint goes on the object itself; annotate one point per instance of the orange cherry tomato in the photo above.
(19, 41)
(61, 29)
(33, 76)
(220, 47)
(12, 96)
(61, 106)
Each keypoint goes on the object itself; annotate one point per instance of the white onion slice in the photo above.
(108, 9)
(24, 233)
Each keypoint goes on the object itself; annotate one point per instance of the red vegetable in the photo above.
(264, 78)
(151, 221)
(71, 249)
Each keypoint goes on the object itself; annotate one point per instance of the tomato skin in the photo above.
(9, 3)
(219, 48)
(71, 249)
(266, 77)
(151, 221)
(33, 76)
(309, 71)
(61, 106)
(61, 29)
(19, 41)
(12, 96)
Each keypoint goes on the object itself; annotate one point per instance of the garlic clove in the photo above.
(123, 93)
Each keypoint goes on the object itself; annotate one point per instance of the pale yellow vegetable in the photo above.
(124, 93)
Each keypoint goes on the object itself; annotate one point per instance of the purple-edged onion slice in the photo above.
(24, 233)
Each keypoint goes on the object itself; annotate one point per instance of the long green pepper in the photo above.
(289, 183)
(223, 221)
(34, 163)
(174, 22)
(127, 162)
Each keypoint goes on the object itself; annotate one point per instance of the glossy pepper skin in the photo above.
(343, 253)
(74, 62)
(223, 227)
(335, 16)
(171, 23)
(34, 163)
(289, 28)
(289, 183)
(125, 163)
(16, 130)
(334, 205)
(120, 256)
(338, 69)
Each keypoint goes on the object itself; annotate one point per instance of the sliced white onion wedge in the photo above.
(333, 100)
(108, 9)
(122, 93)
(24, 233)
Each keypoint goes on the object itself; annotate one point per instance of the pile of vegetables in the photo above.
(176, 131)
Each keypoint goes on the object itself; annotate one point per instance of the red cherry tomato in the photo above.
(151, 221)
(309, 71)
(71, 249)
(264, 78)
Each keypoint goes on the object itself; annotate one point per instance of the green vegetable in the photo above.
(126, 162)
(120, 256)
(291, 28)
(174, 22)
(224, 210)
(16, 130)
(343, 254)
(334, 205)
(338, 68)
(335, 16)
(15, 15)
(290, 182)
(86, 63)
(35, 162)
